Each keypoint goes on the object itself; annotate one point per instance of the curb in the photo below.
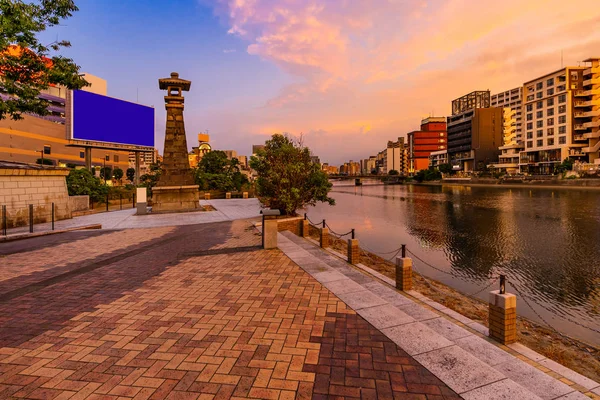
(47, 233)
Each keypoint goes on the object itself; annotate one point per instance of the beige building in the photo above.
(436, 158)
(396, 157)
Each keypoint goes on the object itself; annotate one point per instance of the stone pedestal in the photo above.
(404, 273)
(324, 238)
(503, 317)
(353, 251)
(228, 195)
(206, 196)
(305, 228)
(175, 198)
(269, 234)
(245, 195)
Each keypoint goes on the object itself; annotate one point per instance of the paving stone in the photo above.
(570, 374)
(416, 311)
(328, 276)
(416, 338)
(533, 379)
(387, 293)
(343, 286)
(446, 328)
(360, 300)
(501, 390)
(385, 316)
(479, 328)
(483, 350)
(458, 369)
(573, 396)
(458, 317)
(526, 351)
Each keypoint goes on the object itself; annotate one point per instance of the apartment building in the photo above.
(552, 130)
(421, 143)
(587, 110)
(474, 132)
(437, 158)
(395, 157)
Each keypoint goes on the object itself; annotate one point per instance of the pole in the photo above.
(323, 223)
(106, 193)
(133, 199)
(104, 172)
(31, 218)
(352, 233)
(403, 251)
(4, 220)
(120, 201)
(52, 216)
(305, 217)
(502, 284)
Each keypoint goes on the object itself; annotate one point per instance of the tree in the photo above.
(130, 174)
(287, 178)
(44, 161)
(566, 165)
(216, 172)
(25, 67)
(82, 182)
(393, 172)
(118, 174)
(106, 173)
(445, 168)
(214, 162)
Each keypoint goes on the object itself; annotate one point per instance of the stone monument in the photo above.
(176, 190)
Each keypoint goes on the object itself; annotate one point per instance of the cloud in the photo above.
(370, 70)
(227, 51)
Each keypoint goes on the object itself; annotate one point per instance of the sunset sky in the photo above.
(348, 74)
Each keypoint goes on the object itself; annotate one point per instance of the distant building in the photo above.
(199, 151)
(431, 137)
(474, 132)
(315, 159)
(256, 148)
(436, 158)
(396, 157)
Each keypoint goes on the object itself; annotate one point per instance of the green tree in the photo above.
(566, 165)
(393, 172)
(106, 173)
(82, 182)
(287, 178)
(118, 174)
(214, 162)
(445, 168)
(130, 174)
(216, 172)
(25, 65)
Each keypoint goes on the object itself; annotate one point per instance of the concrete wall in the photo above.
(79, 203)
(41, 187)
(293, 224)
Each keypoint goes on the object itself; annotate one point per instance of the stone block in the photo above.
(245, 195)
(404, 273)
(503, 317)
(324, 238)
(353, 251)
(269, 234)
(228, 195)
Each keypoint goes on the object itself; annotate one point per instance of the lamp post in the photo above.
(104, 170)
(42, 153)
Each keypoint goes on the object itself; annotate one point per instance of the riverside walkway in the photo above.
(173, 309)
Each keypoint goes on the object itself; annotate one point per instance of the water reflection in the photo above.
(546, 241)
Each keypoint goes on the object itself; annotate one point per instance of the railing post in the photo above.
(244, 195)
(4, 221)
(353, 250)
(305, 227)
(120, 201)
(323, 223)
(133, 200)
(31, 218)
(228, 195)
(503, 314)
(106, 201)
(206, 196)
(52, 216)
(324, 236)
(403, 271)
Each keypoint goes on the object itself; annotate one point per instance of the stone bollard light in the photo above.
(141, 201)
(503, 315)
(269, 228)
(206, 196)
(228, 195)
(324, 238)
(245, 195)
(403, 273)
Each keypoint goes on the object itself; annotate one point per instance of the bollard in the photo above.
(353, 251)
(106, 201)
(269, 228)
(141, 201)
(403, 273)
(305, 228)
(206, 196)
(228, 195)
(4, 221)
(324, 238)
(120, 201)
(503, 315)
(245, 195)
(133, 200)
(31, 218)
(52, 216)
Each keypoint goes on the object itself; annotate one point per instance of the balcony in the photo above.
(593, 70)
(574, 152)
(579, 93)
(592, 81)
(591, 92)
(579, 127)
(592, 135)
(579, 103)
(593, 124)
(579, 136)
(592, 149)
(587, 103)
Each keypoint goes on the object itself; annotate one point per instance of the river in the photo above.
(547, 242)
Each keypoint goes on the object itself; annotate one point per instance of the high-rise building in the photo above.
(395, 157)
(561, 118)
(512, 142)
(474, 132)
(431, 137)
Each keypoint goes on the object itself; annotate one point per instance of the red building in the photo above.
(431, 137)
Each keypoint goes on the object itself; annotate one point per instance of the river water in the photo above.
(547, 242)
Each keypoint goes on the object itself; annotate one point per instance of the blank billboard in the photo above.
(105, 119)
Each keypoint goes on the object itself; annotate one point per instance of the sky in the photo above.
(347, 75)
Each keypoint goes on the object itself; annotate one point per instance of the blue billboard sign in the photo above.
(101, 118)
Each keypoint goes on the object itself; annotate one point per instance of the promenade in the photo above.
(157, 308)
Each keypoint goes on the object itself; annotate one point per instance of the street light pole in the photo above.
(42, 153)
(104, 170)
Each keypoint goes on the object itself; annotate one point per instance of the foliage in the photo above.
(393, 172)
(44, 161)
(130, 173)
(287, 178)
(106, 173)
(150, 179)
(82, 182)
(427, 175)
(24, 62)
(71, 165)
(566, 165)
(445, 168)
(216, 172)
(118, 173)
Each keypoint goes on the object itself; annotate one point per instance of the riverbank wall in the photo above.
(590, 184)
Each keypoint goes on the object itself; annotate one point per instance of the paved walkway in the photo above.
(196, 311)
(448, 344)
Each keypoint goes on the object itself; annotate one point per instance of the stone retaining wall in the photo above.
(79, 203)
(293, 224)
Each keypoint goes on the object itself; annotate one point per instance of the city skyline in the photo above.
(356, 75)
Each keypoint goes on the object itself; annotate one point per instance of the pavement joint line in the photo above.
(213, 252)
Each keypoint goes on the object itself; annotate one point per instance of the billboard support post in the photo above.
(137, 168)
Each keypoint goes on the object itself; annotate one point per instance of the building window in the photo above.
(550, 141)
(529, 135)
(81, 154)
(539, 114)
(562, 119)
(562, 129)
(561, 88)
(562, 140)
(529, 107)
(530, 88)
(562, 109)
(550, 112)
(529, 117)
(562, 78)
(107, 157)
(540, 142)
(539, 104)
(530, 125)
(550, 132)
(530, 143)
(562, 98)
(550, 121)
(539, 95)
(550, 102)
(530, 97)
(539, 124)
(550, 82)
(539, 85)
(115, 158)
(47, 149)
(539, 133)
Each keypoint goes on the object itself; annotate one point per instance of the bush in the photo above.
(287, 178)
(44, 161)
(82, 182)
(393, 172)
(130, 173)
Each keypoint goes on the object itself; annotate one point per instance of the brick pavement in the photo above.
(199, 321)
